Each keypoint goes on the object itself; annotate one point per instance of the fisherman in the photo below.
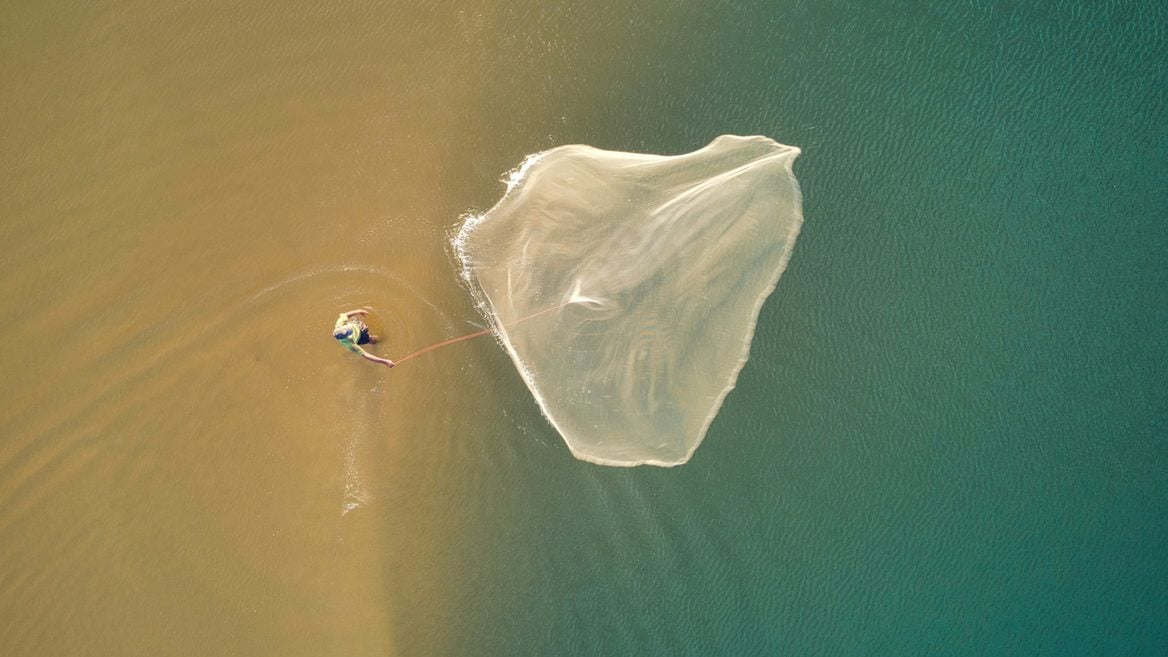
(352, 332)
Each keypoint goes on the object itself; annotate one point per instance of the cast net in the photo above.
(626, 287)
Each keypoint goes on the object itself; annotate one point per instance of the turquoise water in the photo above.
(950, 438)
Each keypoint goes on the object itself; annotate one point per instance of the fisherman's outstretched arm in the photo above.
(384, 361)
(359, 311)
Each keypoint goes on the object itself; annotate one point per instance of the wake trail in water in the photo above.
(356, 494)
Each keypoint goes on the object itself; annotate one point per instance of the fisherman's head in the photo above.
(343, 332)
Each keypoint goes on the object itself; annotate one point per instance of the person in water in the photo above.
(352, 332)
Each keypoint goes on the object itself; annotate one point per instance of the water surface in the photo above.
(949, 438)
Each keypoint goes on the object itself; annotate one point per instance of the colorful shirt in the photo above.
(353, 334)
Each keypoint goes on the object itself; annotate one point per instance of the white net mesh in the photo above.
(626, 287)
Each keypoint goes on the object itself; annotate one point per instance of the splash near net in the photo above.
(626, 287)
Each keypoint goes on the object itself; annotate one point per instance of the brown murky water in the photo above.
(190, 193)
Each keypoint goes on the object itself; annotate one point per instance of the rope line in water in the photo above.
(468, 336)
(439, 345)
